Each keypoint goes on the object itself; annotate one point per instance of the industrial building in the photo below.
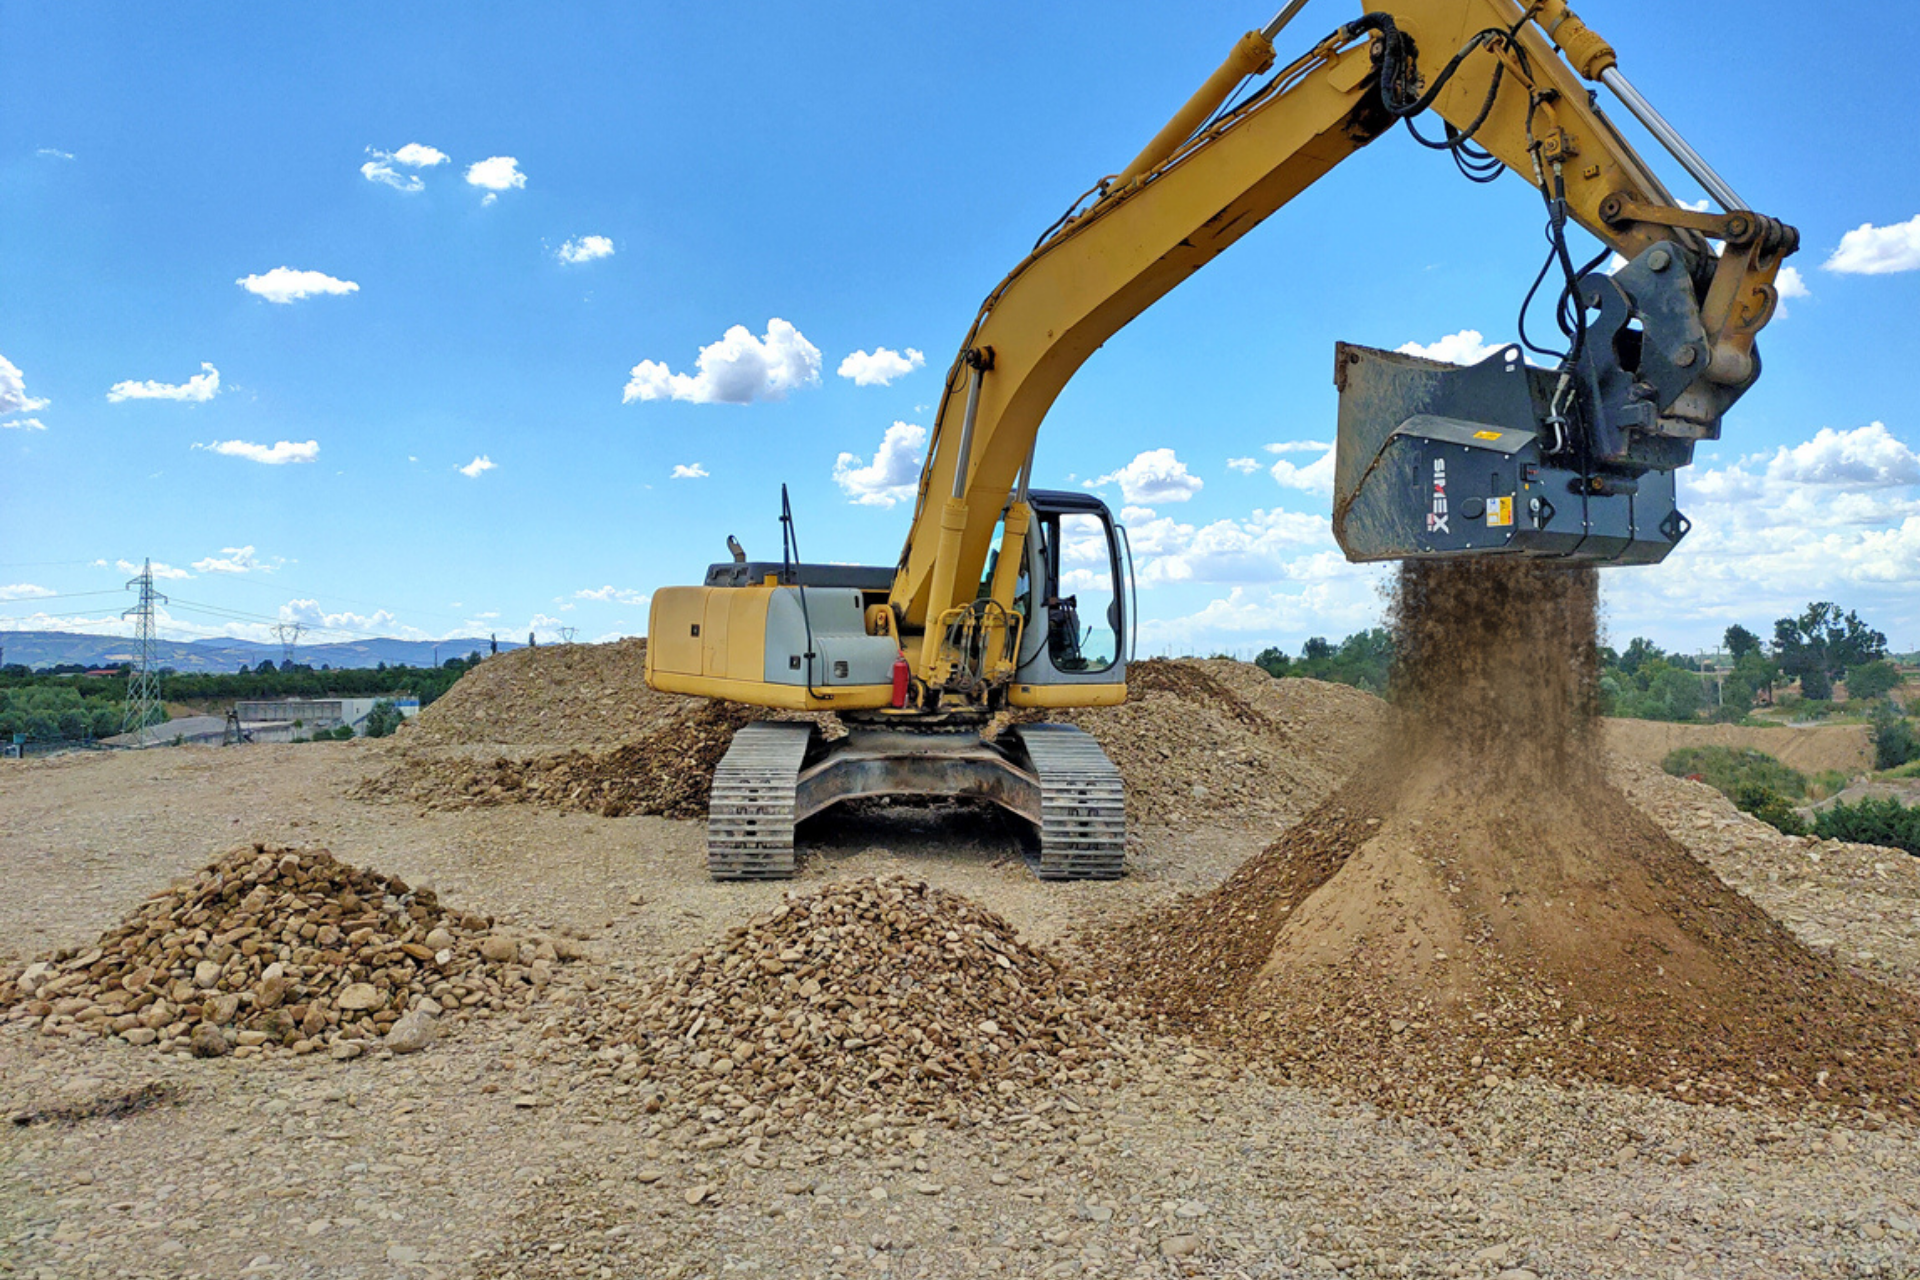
(284, 719)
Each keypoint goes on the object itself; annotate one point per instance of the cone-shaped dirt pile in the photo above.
(868, 993)
(1480, 903)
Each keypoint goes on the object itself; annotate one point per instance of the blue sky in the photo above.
(509, 234)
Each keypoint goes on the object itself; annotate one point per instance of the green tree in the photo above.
(1872, 680)
(383, 719)
(1818, 646)
(1736, 697)
(1640, 651)
(1740, 642)
(1759, 671)
(1680, 692)
(1894, 741)
(1273, 661)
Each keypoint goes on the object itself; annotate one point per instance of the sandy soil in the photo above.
(490, 1154)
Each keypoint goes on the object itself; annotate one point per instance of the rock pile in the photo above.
(568, 695)
(272, 949)
(862, 995)
(668, 772)
(1199, 736)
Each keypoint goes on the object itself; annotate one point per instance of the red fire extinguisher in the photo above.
(901, 674)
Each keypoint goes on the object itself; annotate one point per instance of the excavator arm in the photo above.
(1655, 356)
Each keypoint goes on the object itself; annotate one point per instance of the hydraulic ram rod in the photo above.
(1690, 160)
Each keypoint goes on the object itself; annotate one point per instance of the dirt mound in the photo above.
(1196, 736)
(1847, 748)
(273, 949)
(1480, 904)
(873, 993)
(569, 695)
(668, 772)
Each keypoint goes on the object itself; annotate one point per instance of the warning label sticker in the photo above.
(1499, 511)
(1486, 435)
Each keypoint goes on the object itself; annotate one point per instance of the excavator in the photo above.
(1007, 598)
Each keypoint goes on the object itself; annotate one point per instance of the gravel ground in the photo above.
(490, 1155)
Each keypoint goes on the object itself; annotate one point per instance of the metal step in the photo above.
(1083, 806)
(750, 815)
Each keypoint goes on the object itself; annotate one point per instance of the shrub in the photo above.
(1725, 769)
(1886, 822)
(1894, 741)
(1772, 808)
(1872, 680)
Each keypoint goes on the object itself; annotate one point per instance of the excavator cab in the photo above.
(1078, 620)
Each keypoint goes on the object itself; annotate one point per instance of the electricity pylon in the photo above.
(143, 685)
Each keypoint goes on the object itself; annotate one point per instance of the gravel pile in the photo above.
(273, 950)
(1858, 903)
(1199, 736)
(569, 695)
(864, 995)
(668, 772)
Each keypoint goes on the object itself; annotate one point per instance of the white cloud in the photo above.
(284, 284)
(276, 454)
(1868, 250)
(1698, 206)
(24, 591)
(385, 174)
(24, 424)
(480, 463)
(612, 595)
(892, 475)
(54, 153)
(881, 367)
(420, 156)
(738, 369)
(1344, 601)
(1790, 284)
(686, 471)
(1154, 475)
(585, 249)
(309, 614)
(1268, 546)
(160, 570)
(496, 174)
(1245, 466)
(1865, 457)
(232, 560)
(1464, 347)
(13, 391)
(1314, 477)
(198, 389)
(1834, 517)
(414, 155)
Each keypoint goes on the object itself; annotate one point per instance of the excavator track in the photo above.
(1083, 827)
(750, 815)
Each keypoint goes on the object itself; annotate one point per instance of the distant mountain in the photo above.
(52, 648)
